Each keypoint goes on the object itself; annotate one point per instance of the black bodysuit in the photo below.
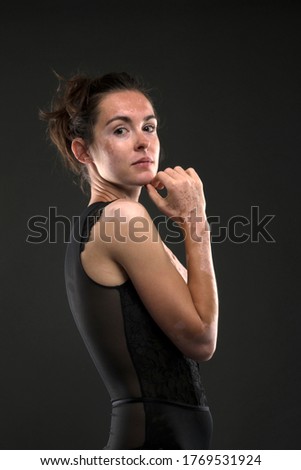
(158, 401)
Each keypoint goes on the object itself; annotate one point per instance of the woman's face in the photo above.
(126, 145)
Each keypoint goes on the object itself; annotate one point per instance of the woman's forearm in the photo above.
(201, 275)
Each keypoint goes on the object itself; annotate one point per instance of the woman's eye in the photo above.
(120, 131)
(150, 128)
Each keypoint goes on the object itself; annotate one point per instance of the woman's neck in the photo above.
(107, 193)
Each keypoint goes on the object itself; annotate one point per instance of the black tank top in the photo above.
(133, 356)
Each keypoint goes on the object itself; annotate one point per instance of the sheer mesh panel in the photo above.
(97, 312)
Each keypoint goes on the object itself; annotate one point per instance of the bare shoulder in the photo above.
(118, 229)
(128, 222)
(125, 208)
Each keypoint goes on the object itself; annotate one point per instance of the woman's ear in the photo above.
(80, 150)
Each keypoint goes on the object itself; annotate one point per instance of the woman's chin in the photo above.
(146, 178)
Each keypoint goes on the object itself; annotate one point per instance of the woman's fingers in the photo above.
(166, 178)
(162, 178)
(178, 172)
(193, 174)
(184, 191)
(158, 185)
(154, 195)
(178, 169)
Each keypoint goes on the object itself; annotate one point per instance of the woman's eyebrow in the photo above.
(128, 119)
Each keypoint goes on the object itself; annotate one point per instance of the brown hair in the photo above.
(74, 111)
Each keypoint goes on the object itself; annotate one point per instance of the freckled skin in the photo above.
(117, 145)
(124, 134)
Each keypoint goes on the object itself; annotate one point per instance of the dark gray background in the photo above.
(226, 81)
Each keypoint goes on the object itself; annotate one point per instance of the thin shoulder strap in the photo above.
(88, 218)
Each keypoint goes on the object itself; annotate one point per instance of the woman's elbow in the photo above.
(202, 352)
(199, 346)
(205, 353)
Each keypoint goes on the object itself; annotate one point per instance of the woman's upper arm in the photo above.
(138, 248)
(177, 264)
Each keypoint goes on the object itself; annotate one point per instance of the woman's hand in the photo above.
(184, 193)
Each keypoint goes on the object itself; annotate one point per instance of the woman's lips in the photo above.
(144, 162)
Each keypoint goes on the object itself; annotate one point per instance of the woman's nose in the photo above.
(142, 142)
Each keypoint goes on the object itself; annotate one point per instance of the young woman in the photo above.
(146, 320)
